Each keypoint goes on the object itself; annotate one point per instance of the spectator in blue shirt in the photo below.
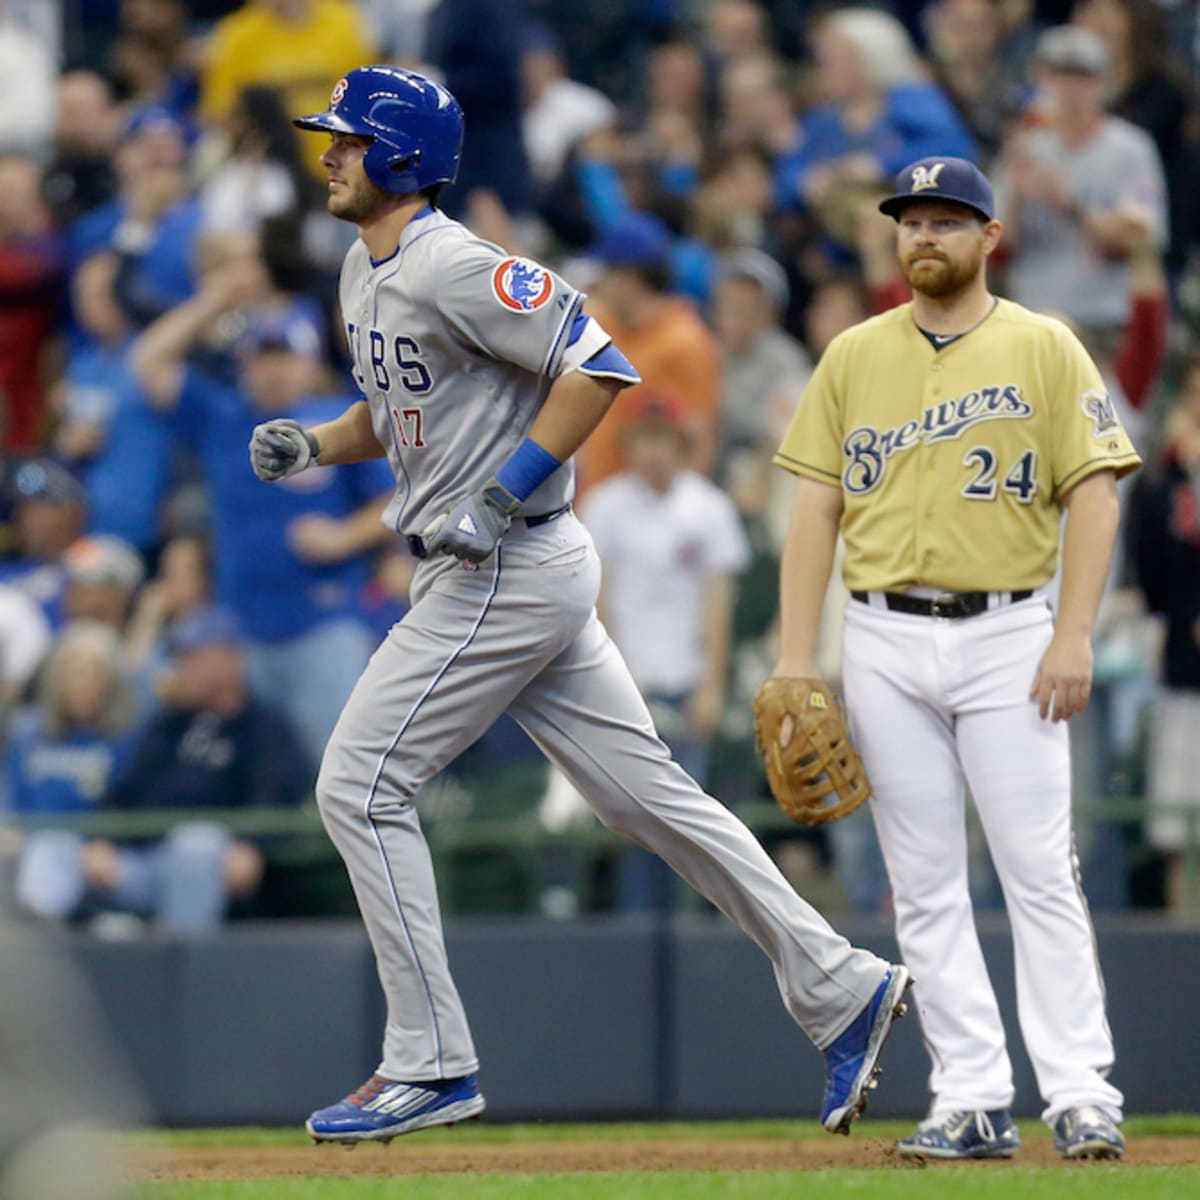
(212, 747)
(153, 223)
(118, 446)
(63, 756)
(49, 512)
(876, 112)
(291, 563)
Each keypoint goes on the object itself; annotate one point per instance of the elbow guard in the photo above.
(591, 350)
(610, 363)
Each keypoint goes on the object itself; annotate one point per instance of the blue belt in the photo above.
(417, 544)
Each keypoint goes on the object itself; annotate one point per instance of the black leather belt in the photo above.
(416, 543)
(952, 606)
(545, 518)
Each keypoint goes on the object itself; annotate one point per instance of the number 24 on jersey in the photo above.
(1021, 480)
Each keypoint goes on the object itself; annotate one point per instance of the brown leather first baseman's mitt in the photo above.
(814, 771)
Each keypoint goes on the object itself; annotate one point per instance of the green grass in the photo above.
(1090, 1181)
(947, 1183)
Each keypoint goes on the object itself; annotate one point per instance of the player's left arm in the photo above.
(574, 407)
(1088, 452)
(1063, 681)
(348, 438)
(520, 313)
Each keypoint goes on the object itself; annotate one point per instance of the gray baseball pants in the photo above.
(520, 634)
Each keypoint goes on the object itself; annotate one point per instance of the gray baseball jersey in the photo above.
(456, 345)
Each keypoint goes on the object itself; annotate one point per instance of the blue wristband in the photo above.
(530, 466)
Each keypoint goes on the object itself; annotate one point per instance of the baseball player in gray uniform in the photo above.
(481, 376)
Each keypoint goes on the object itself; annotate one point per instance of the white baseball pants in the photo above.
(935, 704)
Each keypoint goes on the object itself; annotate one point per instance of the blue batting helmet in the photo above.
(416, 126)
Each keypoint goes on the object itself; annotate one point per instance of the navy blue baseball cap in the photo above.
(291, 328)
(634, 240)
(147, 118)
(940, 178)
(44, 479)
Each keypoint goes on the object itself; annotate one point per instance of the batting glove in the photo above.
(281, 448)
(472, 530)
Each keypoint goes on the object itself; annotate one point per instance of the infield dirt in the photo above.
(677, 1154)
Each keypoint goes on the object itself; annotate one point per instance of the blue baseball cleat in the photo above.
(850, 1060)
(385, 1108)
(1088, 1132)
(963, 1135)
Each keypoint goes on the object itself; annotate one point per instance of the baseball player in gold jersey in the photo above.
(944, 439)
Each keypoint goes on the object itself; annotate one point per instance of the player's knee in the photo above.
(340, 791)
(354, 784)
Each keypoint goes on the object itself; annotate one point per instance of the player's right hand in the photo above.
(280, 448)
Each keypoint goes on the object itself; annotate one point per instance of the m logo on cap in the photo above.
(924, 178)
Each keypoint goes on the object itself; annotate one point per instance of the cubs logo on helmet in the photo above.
(339, 90)
(522, 286)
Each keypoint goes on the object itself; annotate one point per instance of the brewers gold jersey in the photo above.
(953, 462)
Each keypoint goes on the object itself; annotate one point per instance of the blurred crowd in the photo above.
(177, 636)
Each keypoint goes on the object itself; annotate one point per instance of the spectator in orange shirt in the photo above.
(662, 335)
